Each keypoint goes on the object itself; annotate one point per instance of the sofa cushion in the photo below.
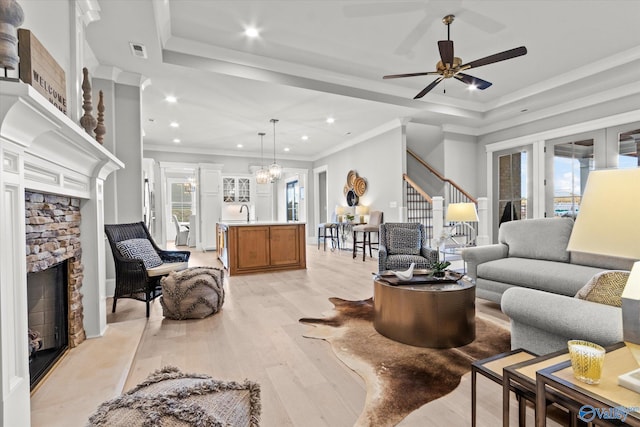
(404, 241)
(557, 277)
(140, 249)
(543, 239)
(605, 288)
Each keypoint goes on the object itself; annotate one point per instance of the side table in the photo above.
(522, 377)
(492, 368)
(596, 403)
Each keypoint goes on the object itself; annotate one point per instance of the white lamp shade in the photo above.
(362, 210)
(340, 210)
(609, 215)
(462, 212)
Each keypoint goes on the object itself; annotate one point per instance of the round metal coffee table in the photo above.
(435, 315)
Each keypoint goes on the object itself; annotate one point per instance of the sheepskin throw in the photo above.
(193, 293)
(170, 398)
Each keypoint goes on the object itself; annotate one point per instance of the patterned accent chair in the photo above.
(404, 243)
(139, 268)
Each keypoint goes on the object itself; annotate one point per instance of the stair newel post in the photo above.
(438, 219)
(483, 237)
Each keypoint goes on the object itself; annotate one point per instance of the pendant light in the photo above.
(262, 174)
(275, 170)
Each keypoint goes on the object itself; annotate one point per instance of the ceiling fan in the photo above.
(451, 66)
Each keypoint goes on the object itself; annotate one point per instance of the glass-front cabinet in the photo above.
(236, 189)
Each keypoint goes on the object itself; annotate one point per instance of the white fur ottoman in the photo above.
(193, 293)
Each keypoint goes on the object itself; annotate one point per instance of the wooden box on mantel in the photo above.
(40, 70)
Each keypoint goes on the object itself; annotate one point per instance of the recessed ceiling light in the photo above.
(176, 140)
(330, 120)
(286, 149)
(472, 87)
(251, 32)
(239, 145)
(171, 99)
(305, 137)
(174, 124)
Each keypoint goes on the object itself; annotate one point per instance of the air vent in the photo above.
(138, 49)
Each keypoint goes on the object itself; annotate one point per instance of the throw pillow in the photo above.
(140, 249)
(404, 241)
(605, 288)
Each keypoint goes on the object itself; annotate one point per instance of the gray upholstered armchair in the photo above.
(404, 243)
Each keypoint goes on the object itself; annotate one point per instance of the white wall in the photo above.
(380, 161)
(427, 142)
(50, 22)
(461, 161)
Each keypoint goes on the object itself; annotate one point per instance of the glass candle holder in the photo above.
(587, 359)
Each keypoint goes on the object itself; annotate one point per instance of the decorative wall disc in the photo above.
(351, 178)
(360, 186)
(345, 189)
(352, 198)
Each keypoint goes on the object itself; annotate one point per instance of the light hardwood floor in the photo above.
(256, 336)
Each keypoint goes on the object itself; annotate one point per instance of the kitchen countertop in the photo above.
(236, 223)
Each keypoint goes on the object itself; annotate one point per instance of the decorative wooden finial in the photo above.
(87, 121)
(100, 129)
(11, 17)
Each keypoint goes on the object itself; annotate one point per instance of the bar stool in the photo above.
(373, 226)
(329, 230)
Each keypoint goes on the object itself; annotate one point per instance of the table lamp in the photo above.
(340, 211)
(607, 224)
(463, 214)
(362, 211)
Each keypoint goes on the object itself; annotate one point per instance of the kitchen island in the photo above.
(257, 247)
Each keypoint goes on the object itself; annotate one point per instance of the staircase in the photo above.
(420, 205)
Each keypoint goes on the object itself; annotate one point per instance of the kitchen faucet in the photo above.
(245, 206)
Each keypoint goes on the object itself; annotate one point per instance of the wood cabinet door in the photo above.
(252, 247)
(285, 245)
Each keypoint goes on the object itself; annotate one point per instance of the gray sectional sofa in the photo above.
(534, 278)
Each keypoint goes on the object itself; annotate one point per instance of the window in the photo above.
(181, 201)
(628, 149)
(572, 162)
(512, 187)
(292, 201)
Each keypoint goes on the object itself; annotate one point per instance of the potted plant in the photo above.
(439, 268)
(350, 217)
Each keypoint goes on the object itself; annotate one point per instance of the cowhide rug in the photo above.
(399, 378)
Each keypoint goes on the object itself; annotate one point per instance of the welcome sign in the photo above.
(40, 70)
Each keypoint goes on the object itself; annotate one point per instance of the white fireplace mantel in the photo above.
(42, 149)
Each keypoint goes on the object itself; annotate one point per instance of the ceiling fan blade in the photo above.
(446, 52)
(470, 80)
(480, 21)
(426, 90)
(502, 56)
(414, 36)
(397, 76)
(378, 9)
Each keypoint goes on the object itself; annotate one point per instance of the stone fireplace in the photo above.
(54, 309)
(52, 209)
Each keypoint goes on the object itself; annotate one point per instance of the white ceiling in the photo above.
(316, 59)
